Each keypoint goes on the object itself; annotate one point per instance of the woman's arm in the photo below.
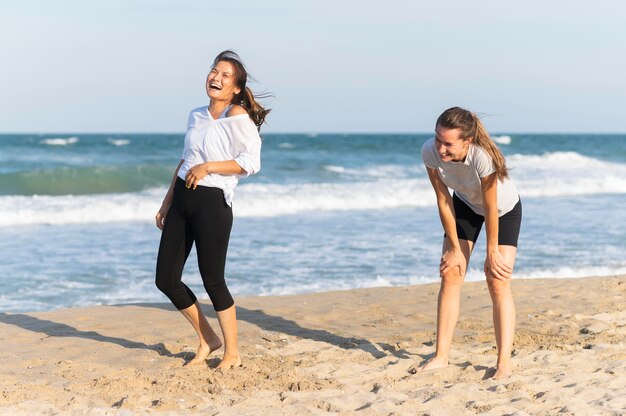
(494, 262)
(454, 256)
(247, 162)
(226, 167)
(167, 201)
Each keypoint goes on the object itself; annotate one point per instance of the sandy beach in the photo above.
(345, 352)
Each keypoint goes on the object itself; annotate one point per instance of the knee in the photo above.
(164, 285)
(220, 296)
(216, 288)
(452, 280)
(498, 287)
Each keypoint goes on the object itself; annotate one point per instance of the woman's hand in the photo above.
(452, 258)
(160, 216)
(195, 175)
(495, 266)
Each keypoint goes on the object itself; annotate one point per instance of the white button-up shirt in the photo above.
(227, 138)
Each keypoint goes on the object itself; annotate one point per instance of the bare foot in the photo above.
(434, 363)
(204, 350)
(229, 363)
(502, 372)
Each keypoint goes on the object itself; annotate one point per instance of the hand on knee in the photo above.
(452, 278)
(452, 261)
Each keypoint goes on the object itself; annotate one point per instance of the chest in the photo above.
(211, 139)
(460, 177)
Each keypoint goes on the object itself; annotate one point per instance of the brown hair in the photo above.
(245, 98)
(471, 127)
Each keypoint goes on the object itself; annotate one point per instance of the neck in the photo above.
(217, 107)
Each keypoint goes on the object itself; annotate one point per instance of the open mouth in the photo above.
(215, 87)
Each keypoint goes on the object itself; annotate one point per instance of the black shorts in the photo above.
(469, 223)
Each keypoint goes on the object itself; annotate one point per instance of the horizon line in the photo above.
(310, 132)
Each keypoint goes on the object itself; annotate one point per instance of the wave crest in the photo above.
(386, 187)
(60, 141)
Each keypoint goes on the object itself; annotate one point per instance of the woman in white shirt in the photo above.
(222, 145)
(463, 157)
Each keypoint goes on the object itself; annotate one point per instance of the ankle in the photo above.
(503, 364)
(231, 355)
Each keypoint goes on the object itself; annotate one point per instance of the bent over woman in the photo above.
(222, 145)
(462, 156)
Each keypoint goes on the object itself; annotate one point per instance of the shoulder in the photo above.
(428, 153)
(236, 110)
(237, 126)
(477, 153)
(481, 161)
(199, 111)
(196, 114)
(428, 144)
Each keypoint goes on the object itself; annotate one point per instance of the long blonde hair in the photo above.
(471, 127)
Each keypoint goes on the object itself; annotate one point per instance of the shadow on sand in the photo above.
(257, 317)
(56, 329)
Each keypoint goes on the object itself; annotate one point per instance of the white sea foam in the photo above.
(378, 171)
(118, 142)
(60, 141)
(286, 145)
(333, 168)
(252, 200)
(374, 187)
(566, 174)
(473, 275)
(569, 271)
(502, 139)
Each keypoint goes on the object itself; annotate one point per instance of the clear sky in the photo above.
(334, 66)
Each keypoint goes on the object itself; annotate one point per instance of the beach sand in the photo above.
(345, 352)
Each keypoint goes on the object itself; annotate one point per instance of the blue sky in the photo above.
(334, 66)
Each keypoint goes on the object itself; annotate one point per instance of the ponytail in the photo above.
(255, 110)
(471, 127)
(483, 139)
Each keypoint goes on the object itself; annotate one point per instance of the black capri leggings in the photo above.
(468, 223)
(201, 216)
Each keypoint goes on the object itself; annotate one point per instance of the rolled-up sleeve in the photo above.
(249, 157)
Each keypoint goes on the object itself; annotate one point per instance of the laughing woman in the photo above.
(222, 145)
(463, 157)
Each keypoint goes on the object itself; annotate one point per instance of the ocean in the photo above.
(326, 212)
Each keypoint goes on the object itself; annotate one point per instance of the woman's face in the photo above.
(450, 146)
(220, 83)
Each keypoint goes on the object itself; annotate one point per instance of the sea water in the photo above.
(326, 212)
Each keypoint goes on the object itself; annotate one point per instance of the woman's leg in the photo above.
(228, 323)
(174, 248)
(212, 229)
(208, 339)
(503, 315)
(448, 306)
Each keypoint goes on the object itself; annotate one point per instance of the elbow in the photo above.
(253, 167)
(248, 169)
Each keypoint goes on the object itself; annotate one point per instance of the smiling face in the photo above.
(450, 145)
(221, 82)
